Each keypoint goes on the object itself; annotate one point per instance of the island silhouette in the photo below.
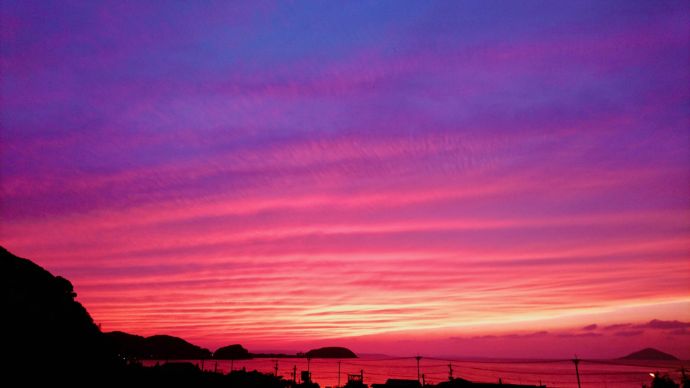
(650, 354)
(167, 347)
(232, 352)
(331, 352)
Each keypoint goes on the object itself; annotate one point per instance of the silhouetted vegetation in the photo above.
(186, 374)
(41, 320)
(663, 381)
(242, 378)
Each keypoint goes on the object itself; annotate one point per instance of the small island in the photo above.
(331, 352)
(232, 352)
(650, 354)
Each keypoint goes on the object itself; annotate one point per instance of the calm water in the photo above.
(615, 374)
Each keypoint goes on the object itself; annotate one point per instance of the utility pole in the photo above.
(338, 373)
(423, 381)
(450, 372)
(275, 368)
(294, 375)
(576, 361)
(309, 364)
(418, 375)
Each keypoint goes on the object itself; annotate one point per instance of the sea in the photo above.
(375, 369)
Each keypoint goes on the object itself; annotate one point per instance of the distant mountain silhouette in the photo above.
(331, 352)
(232, 352)
(42, 320)
(649, 354)
(156, 347)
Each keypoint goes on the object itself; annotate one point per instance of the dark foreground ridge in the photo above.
(41, 320)
(648, 354)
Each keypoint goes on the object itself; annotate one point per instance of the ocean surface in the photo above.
(552, 373)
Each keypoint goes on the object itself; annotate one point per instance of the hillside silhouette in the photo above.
(156, 347)
(42, 319)
(49, 339)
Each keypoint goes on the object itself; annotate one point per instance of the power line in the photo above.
(432, 368)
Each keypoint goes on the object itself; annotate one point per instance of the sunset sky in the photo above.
(487, 178)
